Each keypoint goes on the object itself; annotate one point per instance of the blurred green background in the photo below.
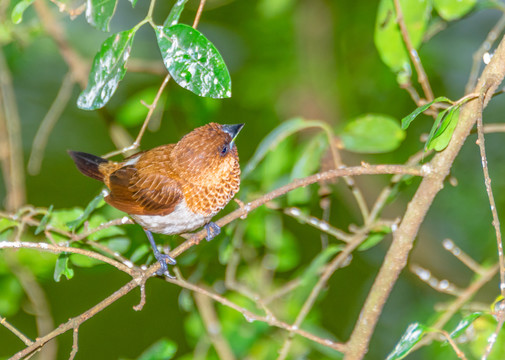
(310, 58)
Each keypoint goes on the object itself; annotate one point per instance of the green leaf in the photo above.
(175, 13)
(97, 220)
(374, 238)
(108, 69)
(19, 9)
(44, 221)
(10, 296)
(60, 218)
(412, 335)
(193, 61)
(161, 350)
(63, 268)
(84, 261)
(272, 8)
(387, 36)
(372, 133)
(97, 202)
(134, 2)
(319, 261)
(7, 224)
(453, 9)
(99, 13)
(133, 113)
(464, 324)
(139, 253)
(443, 135)
(409, 118)
(278, 134)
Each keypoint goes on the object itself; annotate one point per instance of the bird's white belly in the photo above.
(179, 221)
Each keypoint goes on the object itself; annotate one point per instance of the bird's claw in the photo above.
(213, 230)
(164, 259)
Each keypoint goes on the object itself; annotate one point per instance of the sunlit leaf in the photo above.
(372, 133)
(409, 118)
(443, 135)
(108, 69)
(464, 324)
(100, 12)
(278, 134)
(10, 296)
(63, 267)
(193, 61)
(97, 202)
(411, 337)
(19, 9)
(44, 221)
(387, 36)
(161, 350)
(453, 9)
(175, 13)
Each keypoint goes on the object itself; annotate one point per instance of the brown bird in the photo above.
(174, 188)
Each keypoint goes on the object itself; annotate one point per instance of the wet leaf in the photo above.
(453, 9)
(100, 12)
(19, 9)
(409, 118)
(44, 221)
(161, 350)
(108, 69)
(175, 13)
(63, 267)
(387, 36)
(412, 335)
(443, 135)
(372, 133)
(193, 61)
(97, 202)
(464, 324)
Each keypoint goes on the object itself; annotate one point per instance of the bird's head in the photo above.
(208, 153)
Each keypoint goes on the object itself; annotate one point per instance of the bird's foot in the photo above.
(213, 230)
(164, 259)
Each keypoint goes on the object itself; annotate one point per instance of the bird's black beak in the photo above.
(233, 130)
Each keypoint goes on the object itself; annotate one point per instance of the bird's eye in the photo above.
(224, 150)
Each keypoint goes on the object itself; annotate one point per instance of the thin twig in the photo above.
(48, 123)
(489, 190)
(12, 329)
(199, 13)
(414, 56)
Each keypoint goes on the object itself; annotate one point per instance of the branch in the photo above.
(403, 238)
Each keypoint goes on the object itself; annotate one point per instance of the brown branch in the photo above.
(414, 56)
(15, 331)
(403, 238)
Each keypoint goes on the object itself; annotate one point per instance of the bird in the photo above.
(173, 188)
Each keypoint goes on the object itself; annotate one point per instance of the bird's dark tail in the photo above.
(88, 164)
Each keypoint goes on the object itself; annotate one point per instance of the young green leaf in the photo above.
(372, 133)
(97, 202)
(374, 238)
(409, 118)
(278, 134)
(412, 335)
(453, 9)
(464, 324)
(108, 69)
(19, 9)
(63, 267)
(175, 13)
(161, 350)
(193, 61)
(443, 135)
(100, 12)
(44, 221)
(387, 36)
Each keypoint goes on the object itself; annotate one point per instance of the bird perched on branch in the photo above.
(174, 188)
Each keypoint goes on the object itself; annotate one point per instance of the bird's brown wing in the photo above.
(139, 193)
